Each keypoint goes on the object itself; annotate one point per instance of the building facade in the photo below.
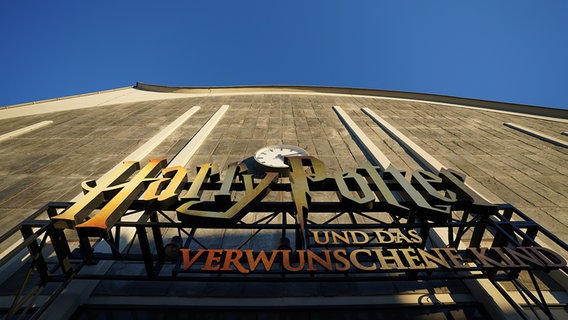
(279, 202)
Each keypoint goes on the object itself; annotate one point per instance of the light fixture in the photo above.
(171, 250)
(284, 244)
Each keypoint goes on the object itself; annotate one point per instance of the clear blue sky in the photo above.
(512, 51)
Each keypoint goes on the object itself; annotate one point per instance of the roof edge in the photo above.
(63, 98)
(485, 104)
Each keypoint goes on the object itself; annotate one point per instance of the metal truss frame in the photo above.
(55, 260)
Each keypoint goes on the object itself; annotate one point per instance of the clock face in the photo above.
(273, 156)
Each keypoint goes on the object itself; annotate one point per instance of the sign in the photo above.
(427, 198)
(428, 195)
(375, 259)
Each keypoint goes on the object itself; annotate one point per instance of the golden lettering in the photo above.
(401, 238)
(174, 180)
(504, 257)
(187, 260)
(305, 173)
(96, 192)
(454, 257)
(341, 257)
(384, 237)
(486, 262)
(384, 259)
(412, 258)
(383, 192)
(213, 257)
(191, 212)
(426, 181)
(234, 169)
(415, 237)
(205, 172)
(304, 169)
(104, 220)
(228, 260)
(311, 256)
(429, 258)
(336, 236)
(464, 192)
(363, 235)
(232, 257)
(286, 263)
(549, 257)
(364, 193)
(317, 239)
(261, 258)
(524, 256)
(424, 208)
(355, 262)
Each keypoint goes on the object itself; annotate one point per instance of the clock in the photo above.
(271, 158)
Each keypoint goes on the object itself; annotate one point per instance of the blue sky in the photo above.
(511, 51)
